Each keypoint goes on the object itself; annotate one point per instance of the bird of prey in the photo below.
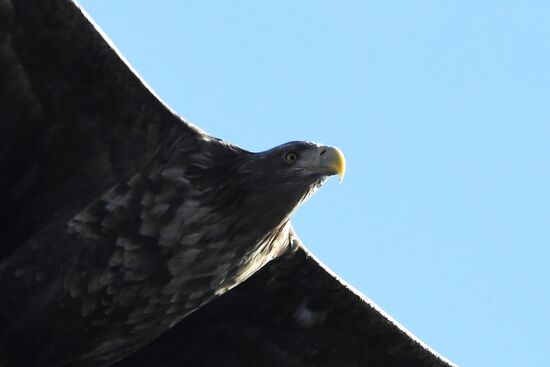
(130, 237)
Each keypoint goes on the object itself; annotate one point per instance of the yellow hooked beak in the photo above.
(333, 160)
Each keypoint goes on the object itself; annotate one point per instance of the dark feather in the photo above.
(291, 313)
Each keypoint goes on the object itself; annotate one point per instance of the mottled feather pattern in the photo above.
(291, 313)
(154, 248)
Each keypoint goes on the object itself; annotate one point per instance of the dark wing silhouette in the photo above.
(293, 312)
(74, 120)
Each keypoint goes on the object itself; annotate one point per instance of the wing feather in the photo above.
(293, 312)
(74, 118)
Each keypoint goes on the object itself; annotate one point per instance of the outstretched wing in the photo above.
(293, 312)
(74, 118)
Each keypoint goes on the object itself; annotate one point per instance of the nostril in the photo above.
(323, 152)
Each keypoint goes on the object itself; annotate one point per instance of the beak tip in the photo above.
(338, 162)
(341, 165)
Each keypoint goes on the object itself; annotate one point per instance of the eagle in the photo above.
(130, 237)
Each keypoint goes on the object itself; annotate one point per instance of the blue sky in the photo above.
(443, 111)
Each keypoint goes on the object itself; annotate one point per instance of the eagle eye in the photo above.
(290, 157)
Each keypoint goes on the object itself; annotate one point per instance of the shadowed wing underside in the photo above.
(293, 312)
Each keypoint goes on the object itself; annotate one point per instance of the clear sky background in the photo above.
(443, 111)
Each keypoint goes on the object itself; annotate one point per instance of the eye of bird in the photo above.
(290, 157)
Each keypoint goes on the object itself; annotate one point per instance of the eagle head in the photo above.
(278, 180)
